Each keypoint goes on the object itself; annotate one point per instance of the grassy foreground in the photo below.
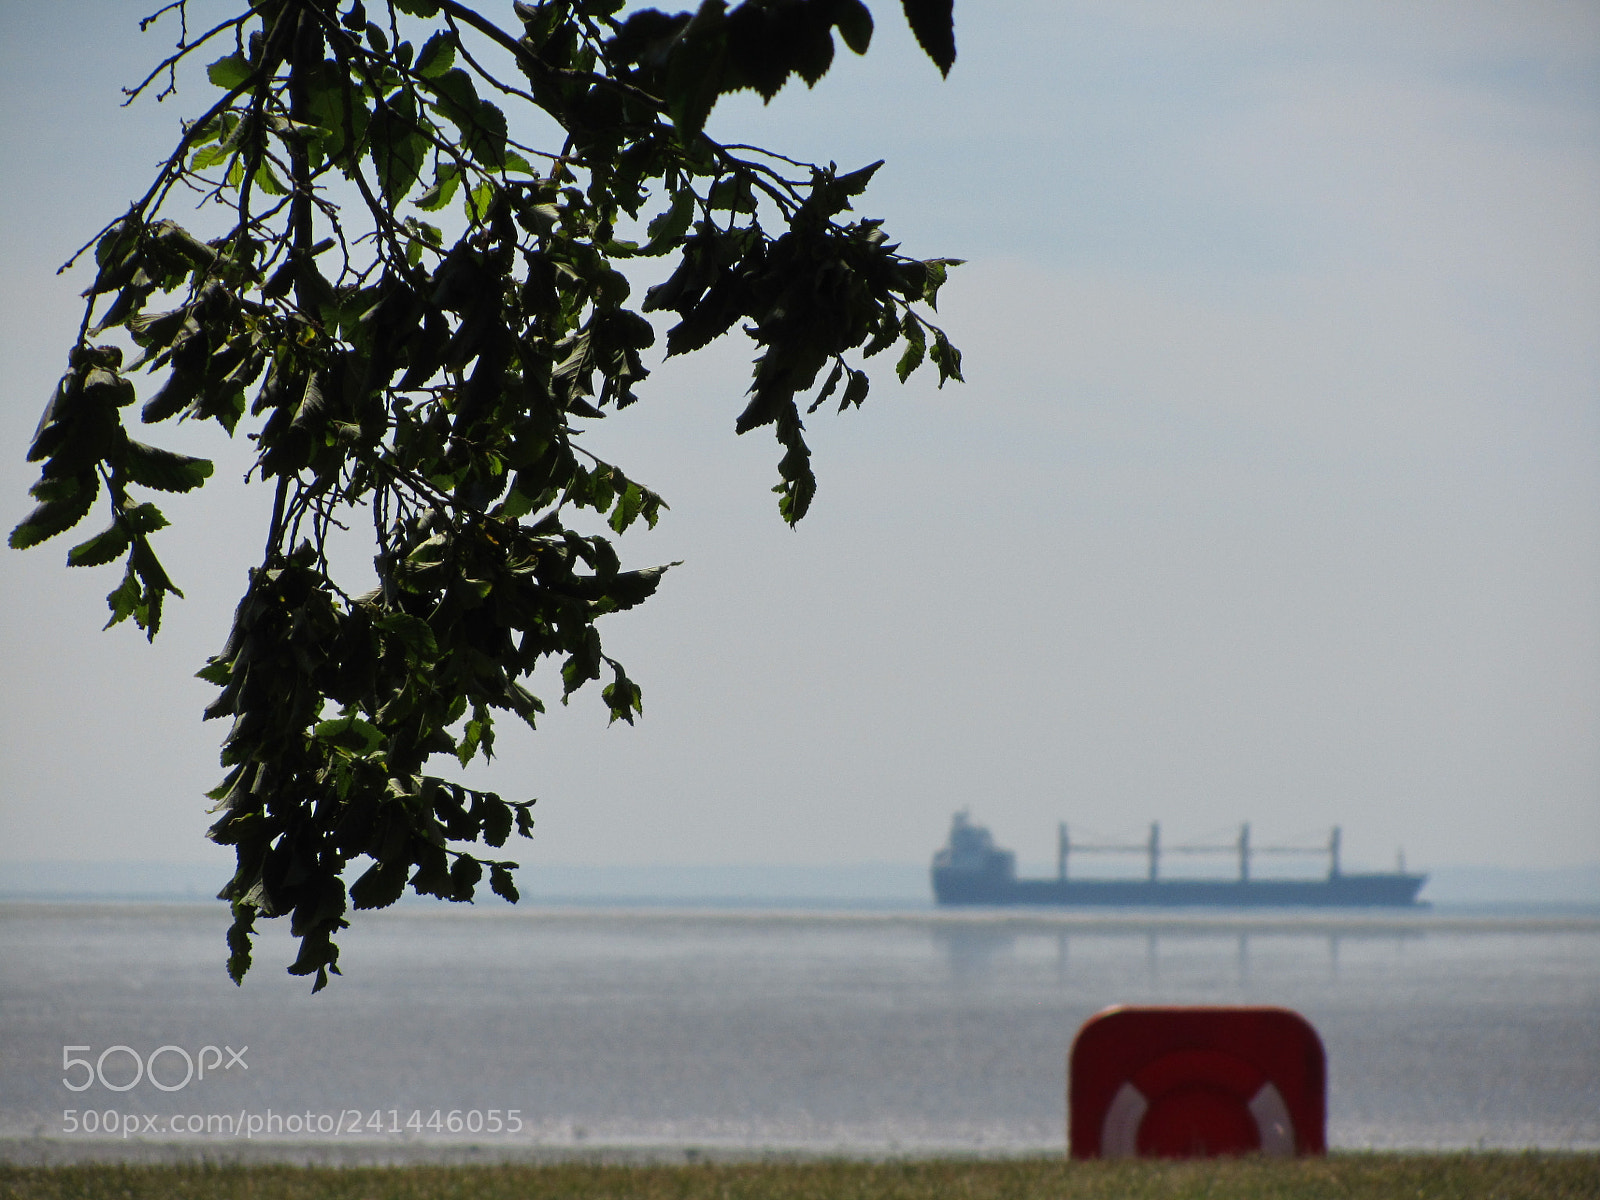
(1341, 1176)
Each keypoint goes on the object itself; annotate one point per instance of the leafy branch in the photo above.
(413, 322)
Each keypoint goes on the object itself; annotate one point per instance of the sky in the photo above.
(1273, 494)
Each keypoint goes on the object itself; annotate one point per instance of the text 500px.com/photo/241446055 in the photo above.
(347, 1122)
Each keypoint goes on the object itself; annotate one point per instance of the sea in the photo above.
(673, 1033)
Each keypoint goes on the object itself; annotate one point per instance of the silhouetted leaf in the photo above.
(855, 24)
(500, 880)
(933, 21)
(380, 885)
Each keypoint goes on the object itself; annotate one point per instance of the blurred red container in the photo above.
(1196, 1083)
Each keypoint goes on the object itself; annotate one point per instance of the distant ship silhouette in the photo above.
(971, 869)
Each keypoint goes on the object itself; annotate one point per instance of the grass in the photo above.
(1536, 1176)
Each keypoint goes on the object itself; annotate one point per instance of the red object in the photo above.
(1196, 1083)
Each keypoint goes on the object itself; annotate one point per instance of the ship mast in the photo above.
(1243, 847)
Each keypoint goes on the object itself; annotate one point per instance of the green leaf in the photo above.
(220, 673)
(430, 235)
(947, 358)
(164, 470)
(231, 780)
(482, 124)
(151, 572)
(313, 403)
(143, 518)
(471, 736)
(58, 514)
(418, 8)
(627, 509)
(349, 733)
(140, 594)
(884, 336)
(124, 598)
(216, 129)
(445, 182)
(516, 505)
(582, 665)
(668, 228)
(176, 394)
(230, 73)
(622, 696)
(209, 156)
(916, 345)
(479, 200)
(437, 56)
(413, 633)
(488, 140)
(268, 182)
(102, 548)
(339, 112)
(397, 150)
(938, 270)
(121, 240)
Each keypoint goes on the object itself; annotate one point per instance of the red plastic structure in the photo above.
(1196, 1083)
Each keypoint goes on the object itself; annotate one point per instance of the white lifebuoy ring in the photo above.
(1119, 1134)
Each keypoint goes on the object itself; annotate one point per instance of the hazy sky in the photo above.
(1273, 495)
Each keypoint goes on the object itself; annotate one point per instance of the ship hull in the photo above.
(1397, 890)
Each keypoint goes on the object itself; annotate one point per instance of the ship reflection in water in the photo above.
(971, 870)
(1229, 946)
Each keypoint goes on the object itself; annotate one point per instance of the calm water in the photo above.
(823, 1031)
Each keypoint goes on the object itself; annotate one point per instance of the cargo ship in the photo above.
(971, 869)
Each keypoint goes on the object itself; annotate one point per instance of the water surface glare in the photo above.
(827, 1031)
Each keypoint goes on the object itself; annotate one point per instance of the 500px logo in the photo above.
(123, 1059)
